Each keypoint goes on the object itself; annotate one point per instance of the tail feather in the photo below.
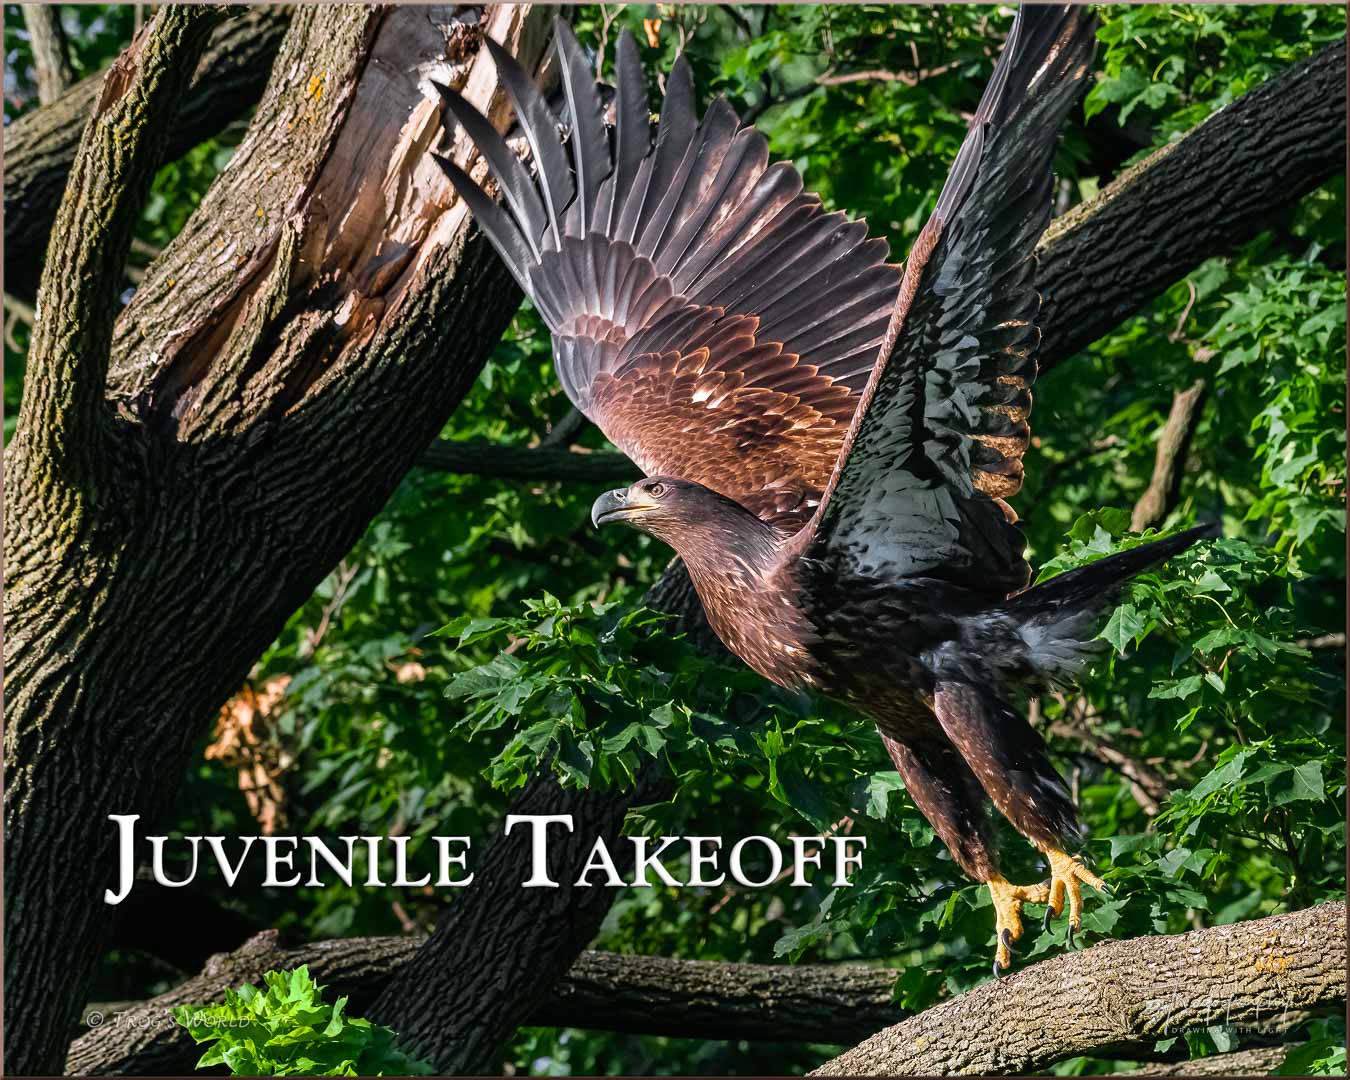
(1056, 622)
(1099, 583)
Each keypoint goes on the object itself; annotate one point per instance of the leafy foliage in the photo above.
(287, 1029)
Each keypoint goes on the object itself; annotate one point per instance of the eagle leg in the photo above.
(1066, 873)
(1008, 900)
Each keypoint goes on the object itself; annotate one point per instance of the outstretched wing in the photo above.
(706, 313)
(936, 446)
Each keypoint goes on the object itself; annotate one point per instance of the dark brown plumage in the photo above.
(829, 441)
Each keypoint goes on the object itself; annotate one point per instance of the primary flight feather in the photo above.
(829, 439)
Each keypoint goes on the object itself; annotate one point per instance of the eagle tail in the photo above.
(1059, 619)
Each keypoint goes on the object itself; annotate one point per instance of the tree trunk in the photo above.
(40, 145)
(175, 498)
(51, 55)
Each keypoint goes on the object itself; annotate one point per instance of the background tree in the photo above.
(226, 463)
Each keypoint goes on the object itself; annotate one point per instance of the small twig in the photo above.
(1147, 785)
(19, 309)
(607, 18)
(908, 78)
(1176, 334)
(346, 573)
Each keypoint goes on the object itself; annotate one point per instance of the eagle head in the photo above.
(679, 512)
(657, 505)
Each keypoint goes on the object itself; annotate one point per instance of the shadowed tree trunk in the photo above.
(180, 483)
(182, 479)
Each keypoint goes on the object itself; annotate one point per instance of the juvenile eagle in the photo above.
(828, 439)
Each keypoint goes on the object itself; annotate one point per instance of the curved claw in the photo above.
(1008, 900)
(1049, 915)
(1068, 937)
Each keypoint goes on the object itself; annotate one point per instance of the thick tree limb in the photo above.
(499, 949)
(601, 991)
(1199, 196)
(40, 145)
(658, 996)
(1117, 995)
(1258, 1061)
(482, 458)
(698, 999)
(51, 54)
(62, 416)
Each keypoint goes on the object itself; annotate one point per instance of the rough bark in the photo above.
(654, 995)
(1197, 197)
(483, 458)
(61, 466)
(51, 54)
(40, 145)
(808, 1003)
(285, 363)
(1118, 995)
(498, 951)
(1259, 1061)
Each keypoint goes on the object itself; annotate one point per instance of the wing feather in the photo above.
(706, 313)
(590, 153)
(632, 134)
(541, 132)
(936, 444)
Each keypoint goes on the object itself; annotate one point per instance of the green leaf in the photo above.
(1125, 624)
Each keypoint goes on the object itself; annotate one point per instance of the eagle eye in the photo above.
(656, 490)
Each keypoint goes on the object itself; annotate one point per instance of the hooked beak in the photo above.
(617, 506)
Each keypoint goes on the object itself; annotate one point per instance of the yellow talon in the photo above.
(1065, 874)
(1008, 900)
